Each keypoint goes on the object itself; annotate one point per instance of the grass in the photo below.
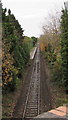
(7, 105)
(9, 99)
(61, 101)
(57, 89)
(59, 94)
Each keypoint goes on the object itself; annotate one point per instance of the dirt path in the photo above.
(19, 108)
(46, 95)
(46, 102)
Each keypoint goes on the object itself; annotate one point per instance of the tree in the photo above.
(9, 12)
(64, 47)
(51, 33)
(51, 50)
(34, 40)
(15, 53)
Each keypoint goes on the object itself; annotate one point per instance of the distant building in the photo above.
(66, 5)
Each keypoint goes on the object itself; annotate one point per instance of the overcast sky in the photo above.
(32, 13)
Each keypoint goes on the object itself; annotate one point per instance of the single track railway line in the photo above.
(32, 104)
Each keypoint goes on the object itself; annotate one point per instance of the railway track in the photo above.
(32, 105)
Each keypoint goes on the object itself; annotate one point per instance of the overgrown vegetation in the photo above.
(53, 44)
(16, 50)
(64, 47)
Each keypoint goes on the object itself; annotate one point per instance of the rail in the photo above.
(32, 104)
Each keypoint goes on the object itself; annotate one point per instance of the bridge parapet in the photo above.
(60, 112)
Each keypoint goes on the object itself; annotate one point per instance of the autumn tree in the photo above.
(50, 38)
(15, 53)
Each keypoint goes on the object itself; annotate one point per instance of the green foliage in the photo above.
(34, 40)
(59, 61)
(57, 73)
(64, 47)
(56, 50)
(29, 42)
(16, 52)
(50, 54)
(9, 12)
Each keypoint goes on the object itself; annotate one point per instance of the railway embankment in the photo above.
(36, 94)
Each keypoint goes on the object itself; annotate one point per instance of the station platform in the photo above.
(32, 53)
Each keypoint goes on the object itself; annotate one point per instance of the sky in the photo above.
(31, 14)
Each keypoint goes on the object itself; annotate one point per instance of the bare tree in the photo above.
(51, 31)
